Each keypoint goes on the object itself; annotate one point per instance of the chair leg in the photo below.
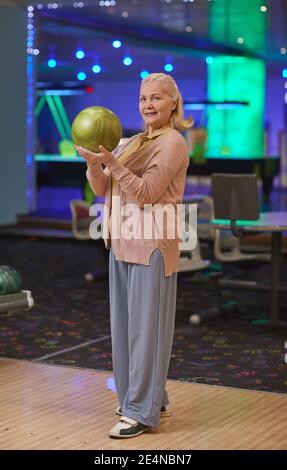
(219, 310)
(210, 314)
(102, 270)
(96, 275)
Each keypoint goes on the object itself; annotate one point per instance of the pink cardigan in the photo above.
(155, 174)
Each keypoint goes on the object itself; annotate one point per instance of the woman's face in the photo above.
(155, 105)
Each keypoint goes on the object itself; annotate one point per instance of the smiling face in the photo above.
(155, 105)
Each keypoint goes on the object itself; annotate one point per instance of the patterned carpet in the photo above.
(69, 323)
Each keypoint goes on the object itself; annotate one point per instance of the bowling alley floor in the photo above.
(52, 407)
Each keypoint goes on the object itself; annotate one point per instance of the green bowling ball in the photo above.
(10, 280)
(96, 126)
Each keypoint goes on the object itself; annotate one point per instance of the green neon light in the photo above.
(40, 105)
(47, 157)
(236, 132)
(239, 222)
(233, 19)
(63, 115)
(56, 117)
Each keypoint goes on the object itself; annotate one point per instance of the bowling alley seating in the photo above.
(81, 221)
(191, 260)
(233, 252)
(226, 249)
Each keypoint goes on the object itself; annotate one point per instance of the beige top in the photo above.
(147, 170)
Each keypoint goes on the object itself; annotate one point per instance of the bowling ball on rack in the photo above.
(95, 126)
(10, 280)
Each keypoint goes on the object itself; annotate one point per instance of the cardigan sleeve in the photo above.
(150, 186)
(97, 178)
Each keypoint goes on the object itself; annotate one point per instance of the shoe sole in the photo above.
(163, 414)
(128, 436)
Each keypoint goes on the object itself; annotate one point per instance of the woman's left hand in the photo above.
(92, 157)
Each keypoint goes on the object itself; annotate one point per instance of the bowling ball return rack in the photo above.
(19, 301)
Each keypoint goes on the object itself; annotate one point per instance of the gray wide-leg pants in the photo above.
(142, 308)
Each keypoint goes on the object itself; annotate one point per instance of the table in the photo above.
(275, 223)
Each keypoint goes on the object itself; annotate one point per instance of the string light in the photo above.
(107, 3)
(31, 51)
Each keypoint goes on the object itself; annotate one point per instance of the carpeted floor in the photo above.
(69, 323)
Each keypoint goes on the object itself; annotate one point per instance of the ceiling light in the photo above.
(144, 74)
(127, 60)
(240, 40)
(52, 63)
(80, 54)
(283, 50)
(168, 67)
(263, 8)
(81, 76)
(96, 68)
(116, 43)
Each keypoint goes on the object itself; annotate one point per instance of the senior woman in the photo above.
(149, 171)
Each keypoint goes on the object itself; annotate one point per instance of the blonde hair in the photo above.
(177, 117)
